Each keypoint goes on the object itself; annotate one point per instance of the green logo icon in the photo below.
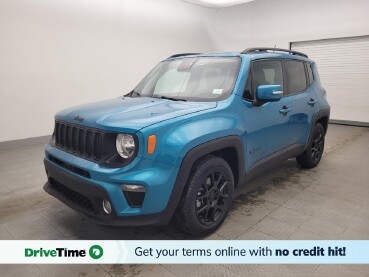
(96, 252)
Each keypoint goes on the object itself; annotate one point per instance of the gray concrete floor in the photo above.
(328, 202)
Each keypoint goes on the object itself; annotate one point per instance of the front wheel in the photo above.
(207, 197)
(313, 153)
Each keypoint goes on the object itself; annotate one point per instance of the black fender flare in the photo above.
(317, 116)
(192, 156)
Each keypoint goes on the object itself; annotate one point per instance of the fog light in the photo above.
(133, 188)
(106, 206)
(134, 195)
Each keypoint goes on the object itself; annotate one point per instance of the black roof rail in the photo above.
(265, 49)
(183, 54)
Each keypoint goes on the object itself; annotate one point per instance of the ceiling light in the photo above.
(218, 3)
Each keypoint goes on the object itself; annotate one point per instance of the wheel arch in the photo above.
(320, 117)
(324, 121)
(224, 147)
(230, 148)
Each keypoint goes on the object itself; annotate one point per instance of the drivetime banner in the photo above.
(184, 252)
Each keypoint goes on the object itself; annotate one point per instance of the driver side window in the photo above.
(263, 72)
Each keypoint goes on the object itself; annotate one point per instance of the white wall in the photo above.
(60, 53)
(279, 22)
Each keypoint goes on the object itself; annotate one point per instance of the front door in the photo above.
(268, 125)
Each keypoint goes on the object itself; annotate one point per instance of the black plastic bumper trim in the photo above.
(96, 195)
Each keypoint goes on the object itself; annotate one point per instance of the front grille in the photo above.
(79, 140)
(75, 197)
(72, 168)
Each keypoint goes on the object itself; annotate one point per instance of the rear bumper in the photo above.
(86, 198)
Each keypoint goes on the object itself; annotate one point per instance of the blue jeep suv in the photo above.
(197, 127)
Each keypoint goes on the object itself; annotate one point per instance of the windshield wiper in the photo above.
(169, 98)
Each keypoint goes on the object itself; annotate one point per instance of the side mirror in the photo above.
(269, 93)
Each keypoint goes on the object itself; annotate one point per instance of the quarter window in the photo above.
(296, 76)
(310, 73)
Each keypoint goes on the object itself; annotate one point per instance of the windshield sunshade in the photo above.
(192, 79)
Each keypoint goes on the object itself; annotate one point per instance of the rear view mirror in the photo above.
(269, 93)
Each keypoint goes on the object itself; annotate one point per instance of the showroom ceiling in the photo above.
(218, 3)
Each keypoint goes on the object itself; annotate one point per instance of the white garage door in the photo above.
(343, 66)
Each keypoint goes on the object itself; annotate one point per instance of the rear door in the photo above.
(303, 98)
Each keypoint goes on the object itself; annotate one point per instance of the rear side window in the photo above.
(264, 72)
(296, 76)
(310, 73)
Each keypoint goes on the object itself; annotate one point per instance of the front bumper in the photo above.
(86, 198)
(83, 184)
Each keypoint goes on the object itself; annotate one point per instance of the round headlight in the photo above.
(125, 145)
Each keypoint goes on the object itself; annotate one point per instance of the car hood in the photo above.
(130, 114)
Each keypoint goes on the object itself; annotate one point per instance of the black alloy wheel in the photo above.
(212, 198)
(314, 151)
(317, 145)
(207, 196)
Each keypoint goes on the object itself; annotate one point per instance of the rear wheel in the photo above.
(207, 197)
(313, 153)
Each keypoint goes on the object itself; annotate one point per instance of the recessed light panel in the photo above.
(218, 3)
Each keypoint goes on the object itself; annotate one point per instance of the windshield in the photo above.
(192, 79)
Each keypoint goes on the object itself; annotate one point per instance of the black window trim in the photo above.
(248, 80)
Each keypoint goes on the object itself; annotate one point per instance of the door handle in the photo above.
(285, 110)
(312, 102)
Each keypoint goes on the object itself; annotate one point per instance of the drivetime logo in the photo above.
(95, 252)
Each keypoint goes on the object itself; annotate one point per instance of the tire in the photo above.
(207, 197)
(313, 153)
